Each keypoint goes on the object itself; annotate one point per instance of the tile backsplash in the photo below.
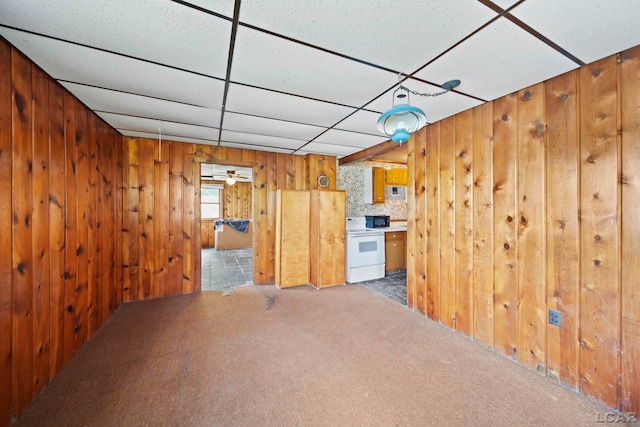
(351, 179)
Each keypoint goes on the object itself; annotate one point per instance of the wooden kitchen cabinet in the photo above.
(396, 177)
(292, 244)
(395, 246)
(374, 179)
(328, 238)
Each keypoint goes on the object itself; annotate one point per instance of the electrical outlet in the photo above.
(555, 317)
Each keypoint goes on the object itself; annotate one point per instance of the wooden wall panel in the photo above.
(447, 254)
(420, 222)
(48, 219)
(630, 290)
(6, 294)
(176, 244)
(432, 219)
(482, 292)
(21, 248)
(40, 226)
(188, 221)
(532, 317)
(463, 208)
(505, 115)
(600, 264)
(555, 204)
(260, 241)
(411, 221)
(238, 198)
(146, 222)
(562, 247)
(160, 218)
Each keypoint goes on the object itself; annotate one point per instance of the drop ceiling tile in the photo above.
(402, 35)
(223, 7)
(152, 135)
(124, 103)
(328, 149)
(88, 66)
(261, 140)
(169, 130)
(164, 32)
(435, 107)
(362, 121)
(595, 29)
(256, 147)
(500, 59)
(264, 103)
(351, 139)
(262, 126)
(505, 4)
(274, 63)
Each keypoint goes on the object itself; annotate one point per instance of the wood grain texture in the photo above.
(432, 178)
(420, 222)
(146, 223)
(328, 238)
(563, 244)
(82, 225)
(447, 254)
(292, 245)
(599, 247)
(160, 217)
(411, 222)
(188, 221)
(21, 230)
(532, 313)
(464, 222)
(176, 244)
(505, 115)
(40, 227)
(630, 290)
(483, 224)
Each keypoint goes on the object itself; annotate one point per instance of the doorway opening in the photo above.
(226, 207)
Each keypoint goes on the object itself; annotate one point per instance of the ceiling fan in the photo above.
(232, 176)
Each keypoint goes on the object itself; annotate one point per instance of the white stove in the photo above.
(365, 251)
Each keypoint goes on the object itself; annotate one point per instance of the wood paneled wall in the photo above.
(237, 200)
(60, 174)
(530, 203)
(162, 240)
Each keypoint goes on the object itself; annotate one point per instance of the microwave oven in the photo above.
(375, 221)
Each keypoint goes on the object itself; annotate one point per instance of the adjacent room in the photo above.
(319, 213)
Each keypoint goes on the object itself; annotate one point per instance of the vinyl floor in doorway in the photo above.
(227, 269)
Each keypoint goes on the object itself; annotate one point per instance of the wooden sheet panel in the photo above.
(420, 222)
(432, 178)
(56, 205)
(483, 224)
(188, 221)
(532, 316)
(505, 115)
(82, 248)
(447, 223)
(600, 298)
(260, 243)
(93, 243)
(146, 236)
(630, 290)
(561, 226)
(21, 248)
(411, 222)
(268, 227)
(6, 300)
(464, 222)
(40, 227)
(160, 217)
(176, 246)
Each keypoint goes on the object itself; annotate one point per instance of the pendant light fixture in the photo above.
(401, 120)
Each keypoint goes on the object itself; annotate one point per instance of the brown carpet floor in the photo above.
(261, 356)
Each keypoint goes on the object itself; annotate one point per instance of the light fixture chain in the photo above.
(415, 92)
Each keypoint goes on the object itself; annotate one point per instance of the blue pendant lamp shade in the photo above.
(400, 121)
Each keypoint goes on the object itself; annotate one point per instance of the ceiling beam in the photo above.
(369, 153)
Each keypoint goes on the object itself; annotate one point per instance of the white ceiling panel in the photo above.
(505, 4)
(135, 105)
(276, 105)
(223, 7)
(435, 107)
(480, 61)
(352, 139)
(365, 30)
(161, 31)
(169, 129)
(262, 126)
(362, 121)
(328, 149)
(594, 29)
(262, 140)
(152, 135)
(88, 66)
(255, 147)
(271, 62)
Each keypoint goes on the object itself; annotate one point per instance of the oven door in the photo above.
(365, 249)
